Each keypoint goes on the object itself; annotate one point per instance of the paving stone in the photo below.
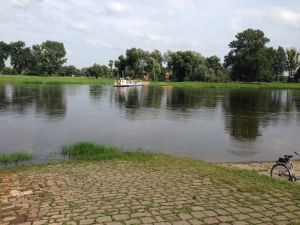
(225, 218)
(199, 215)
(114, 223)
(104, 219)
(195, 222)
(86, 222)
(120, 217)
(210, 220)
(184, 216)
(147, 220)
(132, 222)
(210, 213)
(40, 222)
(162, 223)
(181, 223)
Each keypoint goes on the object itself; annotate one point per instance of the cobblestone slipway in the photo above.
(121, 193)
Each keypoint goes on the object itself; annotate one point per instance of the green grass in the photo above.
(272, 85)
(91, 80)
(92, 151)
(53, 80)
(14, 157)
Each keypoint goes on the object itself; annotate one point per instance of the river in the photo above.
(211, 124)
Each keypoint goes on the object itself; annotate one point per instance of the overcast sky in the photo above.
(95, 31)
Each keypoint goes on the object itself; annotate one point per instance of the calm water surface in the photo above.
(209, 124)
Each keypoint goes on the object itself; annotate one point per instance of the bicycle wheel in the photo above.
(280, 171)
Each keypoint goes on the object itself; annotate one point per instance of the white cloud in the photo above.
(18, 2)
(119, 9)
(276, 15)
(97, 44)
(285, 17)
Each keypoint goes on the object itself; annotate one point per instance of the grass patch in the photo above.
(53, 80)
(233, 85)
(15, 157)
(92, 80)
(92, 151)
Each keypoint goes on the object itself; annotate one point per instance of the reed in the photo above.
(15, 157)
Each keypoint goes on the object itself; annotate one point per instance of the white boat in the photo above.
(127, 83)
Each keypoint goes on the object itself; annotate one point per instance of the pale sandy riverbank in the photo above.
(262, 167)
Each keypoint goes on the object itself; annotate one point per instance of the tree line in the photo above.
(249, 60)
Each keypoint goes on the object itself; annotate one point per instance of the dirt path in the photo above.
(121, 193)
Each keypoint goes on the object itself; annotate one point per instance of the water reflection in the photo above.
(46, 101)
(248, 111)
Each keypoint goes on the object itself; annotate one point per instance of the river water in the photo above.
(211, 124)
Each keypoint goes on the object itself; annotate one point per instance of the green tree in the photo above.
(110, 64)
(69, 71)
(183, 64)
(121, 65)
(280, 63)
(21, 57)
(95, 70)
(297, 75)
(292, 61)
(153, 69)
(49, 57)
(220, 74)
(4, 53)
(134, 62)
(244, 61)
(8, 71)
(156, 54)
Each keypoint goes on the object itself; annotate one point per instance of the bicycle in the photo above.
(283, 169)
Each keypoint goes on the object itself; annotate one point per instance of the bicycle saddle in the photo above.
(288, 156)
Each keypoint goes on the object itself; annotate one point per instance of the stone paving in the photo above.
(116, 193)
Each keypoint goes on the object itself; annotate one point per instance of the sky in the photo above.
(95, 31)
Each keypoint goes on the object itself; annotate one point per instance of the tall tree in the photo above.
(95, 70)
(20, 56)
(297, 75)
(110, 64)
(243, 60)
(280, 63)
(49, 57)
(4, 53)
(68, 71)
(292, 61)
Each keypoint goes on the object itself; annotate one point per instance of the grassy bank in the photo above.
(273, 85)
(15, 157)
(101, 81)
(52, 80)
(244, 180)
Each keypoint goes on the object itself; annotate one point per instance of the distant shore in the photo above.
(101, 81)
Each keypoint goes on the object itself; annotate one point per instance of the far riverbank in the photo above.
(101, 81)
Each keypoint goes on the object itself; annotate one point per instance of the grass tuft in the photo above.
(92, 151)
(15, 157)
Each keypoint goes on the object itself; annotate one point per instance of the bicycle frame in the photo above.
(289, 166)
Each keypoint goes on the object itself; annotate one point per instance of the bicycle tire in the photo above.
(281, 172)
